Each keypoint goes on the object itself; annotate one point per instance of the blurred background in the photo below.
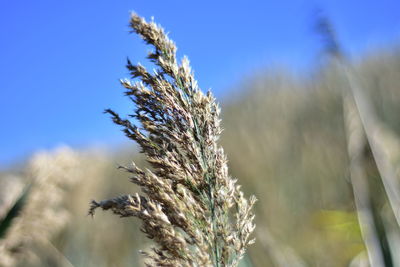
(310, 96)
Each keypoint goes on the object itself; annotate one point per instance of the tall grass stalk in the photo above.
(356, 141)
(364, 131)
(191, 207)
(377, 134)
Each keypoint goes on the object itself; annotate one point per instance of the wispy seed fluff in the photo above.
(191, 208)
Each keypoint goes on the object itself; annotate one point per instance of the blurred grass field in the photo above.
(285, 140)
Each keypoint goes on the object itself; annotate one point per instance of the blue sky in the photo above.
(60, 61)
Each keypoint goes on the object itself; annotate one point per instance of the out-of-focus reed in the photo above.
(287, 139)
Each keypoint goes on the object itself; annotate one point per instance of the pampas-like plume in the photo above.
(192, 209)
(43, 214)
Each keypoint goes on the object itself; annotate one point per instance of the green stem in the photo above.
(210, 195)
(210, 183)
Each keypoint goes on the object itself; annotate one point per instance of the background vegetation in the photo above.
(286, 142)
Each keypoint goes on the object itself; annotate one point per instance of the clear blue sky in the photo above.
(60, 61)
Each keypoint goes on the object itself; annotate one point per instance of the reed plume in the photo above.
(43, 214)
(192, 209)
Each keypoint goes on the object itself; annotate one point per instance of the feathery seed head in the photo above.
(188, 207)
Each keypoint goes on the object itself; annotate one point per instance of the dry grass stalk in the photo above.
(382, 141)
(193, 210)
(356, 142)
(365, 129)
(11, 188)
(43, 214)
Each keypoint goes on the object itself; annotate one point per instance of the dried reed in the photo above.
(364, 130)
(43, 215)
(193, 210)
